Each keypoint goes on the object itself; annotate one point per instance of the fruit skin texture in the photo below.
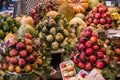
(88, 66)
(4, 66)
(13, 42)
(7, 58)
(102, 21)
(89, 51)
(20, 46)
(31, 59)
(28, 36)
(13, 60)
(117, 50)
(93, 58)
(23, 53)
(81, 64)
(82, 56)
(18, 69)
(96, 47)
(100, 64)
(11, 68)
(22, 62)
(75, 61)
(28, 42)
(39, 61)
(28, 68)
(13, 52)
(100, 54)
(88, 44)
(81, 47)
(116, 58)
(29, 48)
(93, 39)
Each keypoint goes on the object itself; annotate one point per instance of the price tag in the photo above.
(108, 3)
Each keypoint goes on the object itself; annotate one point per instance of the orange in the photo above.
(18, 69)
(28, 68)
(39, 61)
(11, 68)
(117, 50)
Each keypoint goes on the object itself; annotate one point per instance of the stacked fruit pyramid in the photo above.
(40, 10)
(99, 17)
(23, 56)
(91, 53)
(53, 33)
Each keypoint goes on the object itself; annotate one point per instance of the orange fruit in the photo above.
(11, 68)
(39, 61)
(117, 50)
(18, 69)
(28, 68)
(4, 66)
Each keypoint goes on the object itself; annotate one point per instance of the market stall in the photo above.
(61, 40)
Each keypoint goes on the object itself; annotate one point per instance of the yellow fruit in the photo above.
(11, 68)
(18, 69)
(9, 36)
(28, 68)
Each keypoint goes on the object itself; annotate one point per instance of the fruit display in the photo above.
(67, 70)
(79, 6)
(91, 53)
(40, 10)
(22, 56)
(7, 24)
(54, 35)
(99, 17)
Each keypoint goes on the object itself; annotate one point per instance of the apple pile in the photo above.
(99, 17)
(40, 10)
(90, 52)
(21, 56)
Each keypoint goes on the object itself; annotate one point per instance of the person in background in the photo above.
(1, 4)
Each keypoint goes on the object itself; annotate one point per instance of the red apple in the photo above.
(108, 20)
(82, 56)
(101, 10)
(72, 54)
(95, 35)
(92, 58)
(22, 62)
(13, 60)
(75, 61)
(96, 21)
(96, 47)
(23, 53)
(100, 64)
(93, 39)
(89, 51)
(107, 26)
(88, 44)
(31, 59)
(37, 7)
(97, 15)
(81, 40)
(13, 52)
(33, 11)
(104, 15)
(88, 66)
(87, 34)
(90, 20)
(100, 54)
(91, 15)
(83, 75)
(81, 64)
(81, 47)
(103, 50)
(20, 46)
(94, 9)
(102, 21)
(28, 36)
(36, 16)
